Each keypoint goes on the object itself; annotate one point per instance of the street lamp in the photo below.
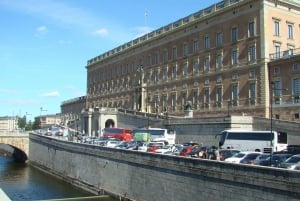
(272, 88)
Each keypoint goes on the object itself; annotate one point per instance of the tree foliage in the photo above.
(22, 122)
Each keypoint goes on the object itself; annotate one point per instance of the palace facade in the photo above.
(215, 59)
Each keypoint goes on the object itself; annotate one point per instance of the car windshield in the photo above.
(239, 155)
(293, 159)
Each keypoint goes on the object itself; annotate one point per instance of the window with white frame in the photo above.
(252, 92)
(185, 69)
(219, 61)
(206, 97)
(277, 50)
(251, 29)
(165, 102)
(149, 77)
(195, 46)
(174, 100)
(296, 67)
(290, 31)
(234, 34)
(149, 60)
(219, 96)
(156, 76)
(174, 72)
(196, 66)
(174, 53)
(219, 79)
(165, 56)
(184, 98)
(235, 95)
(276, 70)
(252, 74)
(234, 56)
(185, 50)
(156, 58)
(276, 28)
(206, 64)
(165, 73)
(296, 90)
(277, 88)
(252, 53)
(195, 99)
(219, 39)
(206, 42)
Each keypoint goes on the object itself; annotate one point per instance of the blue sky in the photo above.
(45, 44)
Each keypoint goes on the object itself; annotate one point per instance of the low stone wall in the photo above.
(147, 177)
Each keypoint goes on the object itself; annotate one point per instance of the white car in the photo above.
(243, 157)
(164, 149)
(112, 143)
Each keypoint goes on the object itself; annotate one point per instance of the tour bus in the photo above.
(154, 134)
(122, 134)
(262, 141)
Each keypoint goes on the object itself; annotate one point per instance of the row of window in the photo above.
(103, 76)
(277, 29)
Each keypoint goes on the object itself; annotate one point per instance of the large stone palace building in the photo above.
(216, 59)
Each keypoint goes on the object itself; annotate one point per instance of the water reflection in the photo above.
(22, 182)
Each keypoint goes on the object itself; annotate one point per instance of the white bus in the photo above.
(154, 134)
(262, 141)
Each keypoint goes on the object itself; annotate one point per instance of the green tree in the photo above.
(22, 122)
(36, 124)
(29, 126)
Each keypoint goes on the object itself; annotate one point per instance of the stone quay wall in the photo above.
(140, 176)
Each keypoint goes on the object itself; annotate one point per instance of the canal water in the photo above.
(22, 182)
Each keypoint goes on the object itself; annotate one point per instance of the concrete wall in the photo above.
(145, 176)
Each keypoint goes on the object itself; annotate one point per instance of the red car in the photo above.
(154, 147)
(186, 150)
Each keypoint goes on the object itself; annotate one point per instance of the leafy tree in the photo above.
(36, 124)
(29, 126)
(22, 122)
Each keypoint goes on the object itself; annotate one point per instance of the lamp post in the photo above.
(41, 110)
(272, 88)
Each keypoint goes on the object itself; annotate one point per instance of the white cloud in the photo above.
(41, 31)
(101, 32)
(51, 94)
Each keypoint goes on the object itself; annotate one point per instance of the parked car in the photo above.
(207, 152)
(111, 143)
(227, 153)
(262, 157)
(186, 150)
(134, 145)
(275, 160)
(164, 149)
(192, 144)
(243, 157)
(290, 149)
(291, 162)
(178, 148)
(122, 145)
(152, 147)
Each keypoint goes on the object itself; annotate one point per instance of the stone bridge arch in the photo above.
(15, 146)
(11, 151)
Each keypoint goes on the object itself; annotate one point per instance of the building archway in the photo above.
(109, 123)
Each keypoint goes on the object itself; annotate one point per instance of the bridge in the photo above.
(15, 145)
